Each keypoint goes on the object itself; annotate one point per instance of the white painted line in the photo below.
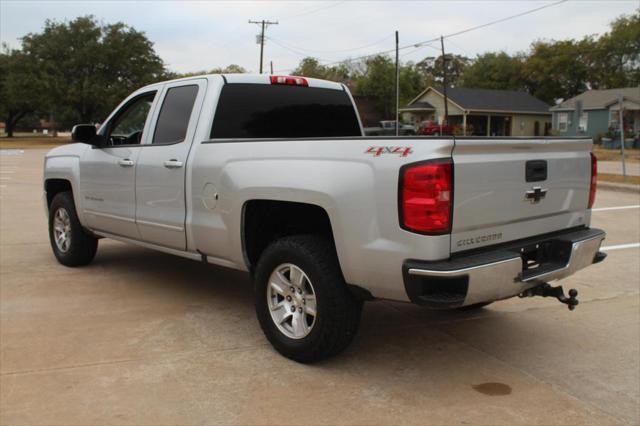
(604, 209)
(7, 171)
(620, 246)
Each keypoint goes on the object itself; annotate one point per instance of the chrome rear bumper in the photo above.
(501, 272)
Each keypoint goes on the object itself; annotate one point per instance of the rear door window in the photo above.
(173, 119)
(278, 111)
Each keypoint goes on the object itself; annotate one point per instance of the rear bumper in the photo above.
(502, 271)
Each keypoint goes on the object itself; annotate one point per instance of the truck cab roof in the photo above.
(252, 79)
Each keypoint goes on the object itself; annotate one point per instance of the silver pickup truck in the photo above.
(211, 168)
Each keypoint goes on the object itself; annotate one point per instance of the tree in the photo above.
(616, 56)
(495, 71)
(21, 94)
(558, 69)
(378, 82)
(432, 69)
(87, 68)
(310, 67)
(230, 69)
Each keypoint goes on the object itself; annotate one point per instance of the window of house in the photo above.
(563, 121)
(614, 118)
(584, 122)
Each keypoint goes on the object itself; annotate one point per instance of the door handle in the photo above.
(125, 163)
(173, 164)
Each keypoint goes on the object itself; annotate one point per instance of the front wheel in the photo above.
(303, 304)
(71, 244)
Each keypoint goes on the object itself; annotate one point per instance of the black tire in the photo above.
(82, 246)
(474, 307)
(338, 311)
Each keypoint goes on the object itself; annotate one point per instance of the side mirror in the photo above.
(86, 133)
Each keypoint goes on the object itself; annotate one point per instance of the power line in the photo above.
(497, 21)
(293, 50)
(308, 12)
(457, 33)
(302, 49)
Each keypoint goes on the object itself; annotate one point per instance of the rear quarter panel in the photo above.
(357, 189)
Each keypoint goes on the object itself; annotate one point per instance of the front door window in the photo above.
(128, 125)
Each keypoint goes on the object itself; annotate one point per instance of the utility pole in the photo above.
(264, 24)
(271, 64)
(397, 88)
(444, 82)
(620, 101)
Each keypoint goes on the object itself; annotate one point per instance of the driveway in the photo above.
(140, 337)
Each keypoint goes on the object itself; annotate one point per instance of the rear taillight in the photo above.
(426, 194)
(289, 80)
(594, 180)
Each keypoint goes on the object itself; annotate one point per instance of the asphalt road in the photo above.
(140, 337)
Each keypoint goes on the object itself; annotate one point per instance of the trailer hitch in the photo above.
(546, 290)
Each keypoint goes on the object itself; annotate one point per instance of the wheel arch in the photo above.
(265, 220)
(54, 186)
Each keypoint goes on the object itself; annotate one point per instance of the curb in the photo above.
(621, 187)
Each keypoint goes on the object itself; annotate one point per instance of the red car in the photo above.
(431, 128)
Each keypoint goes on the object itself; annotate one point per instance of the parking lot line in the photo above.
(603, 209)
(7, 171)
(620, 246)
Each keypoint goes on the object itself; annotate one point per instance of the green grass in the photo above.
(605, 177)
(31, 142)
(630, 155)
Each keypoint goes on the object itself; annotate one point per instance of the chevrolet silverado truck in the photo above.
(212, 169)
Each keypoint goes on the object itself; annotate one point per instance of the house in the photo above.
(593, 112)
(482, 112)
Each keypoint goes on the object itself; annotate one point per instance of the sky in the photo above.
(201, 35)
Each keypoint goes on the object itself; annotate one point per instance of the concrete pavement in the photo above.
(140, 337)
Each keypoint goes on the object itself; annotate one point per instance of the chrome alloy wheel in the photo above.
(292, 301)
(62, 229)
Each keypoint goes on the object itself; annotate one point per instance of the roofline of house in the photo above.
(467, 110)
(602, 106)
(448, 98)
(438, 92)
(512, 112)
(624, 98)
(416, 109)
(554, 109)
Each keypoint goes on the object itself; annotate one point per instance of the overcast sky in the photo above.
(200, 35)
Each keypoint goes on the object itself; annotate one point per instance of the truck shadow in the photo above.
(402, 332)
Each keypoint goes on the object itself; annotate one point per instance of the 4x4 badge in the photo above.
(536, 194)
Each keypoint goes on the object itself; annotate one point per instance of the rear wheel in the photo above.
(303, 304)
(71, 244)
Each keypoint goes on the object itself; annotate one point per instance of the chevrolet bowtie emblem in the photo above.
(536, 194)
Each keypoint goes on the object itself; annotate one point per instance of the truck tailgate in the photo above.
(508, 189)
